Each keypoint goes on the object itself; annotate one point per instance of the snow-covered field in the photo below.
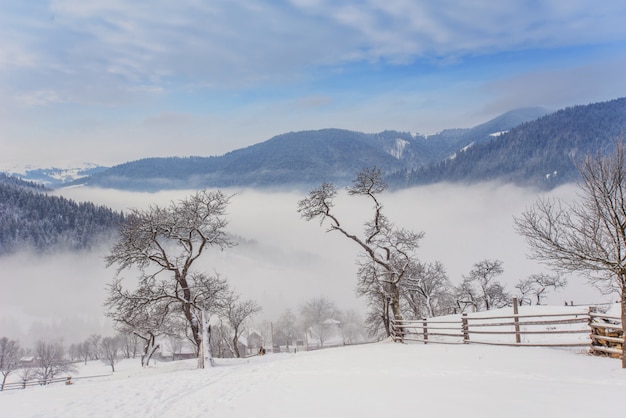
(374, 380)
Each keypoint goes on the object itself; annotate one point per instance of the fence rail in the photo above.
(68, 380)
(601, 333)
(37, 382)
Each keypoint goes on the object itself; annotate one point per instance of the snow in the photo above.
(372, 380)
(398, 149)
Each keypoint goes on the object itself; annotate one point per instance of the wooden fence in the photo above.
(68, 380)
(576, 328)
(36, 382)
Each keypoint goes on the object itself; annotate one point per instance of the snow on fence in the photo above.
(537, 326)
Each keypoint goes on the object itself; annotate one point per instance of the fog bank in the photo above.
(283, 260)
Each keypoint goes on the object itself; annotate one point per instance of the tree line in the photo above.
(32, 219)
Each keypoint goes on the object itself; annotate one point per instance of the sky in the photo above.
(366, 381)
(110, 81)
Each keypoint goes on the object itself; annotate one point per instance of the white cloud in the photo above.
(40, 98)
(236, 43)
(596, 81)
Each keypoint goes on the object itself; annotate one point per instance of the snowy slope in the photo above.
(54, 176)
(375, 380)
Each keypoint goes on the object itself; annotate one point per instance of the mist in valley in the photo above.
(281, 260)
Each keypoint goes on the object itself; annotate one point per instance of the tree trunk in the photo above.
(236, 346)
(149, 349)
(395, 302)
(395, 308)
(192, 319)
(385, 317)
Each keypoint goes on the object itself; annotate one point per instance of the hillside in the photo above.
(29, 218)
(526, 147)
(541, 153)
(55, 177)
(302, 158)
(355, 381)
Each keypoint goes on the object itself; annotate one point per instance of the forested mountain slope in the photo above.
(302, 158)
(29, 218)
(541, 153)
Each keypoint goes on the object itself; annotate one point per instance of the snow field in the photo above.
(371, 380)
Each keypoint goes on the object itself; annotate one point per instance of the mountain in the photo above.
(30, 218)
(542, 153)
(55, 177)
(302, 158)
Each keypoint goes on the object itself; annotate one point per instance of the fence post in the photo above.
(592, 330)
(425, 330)
(465, 328)
(516, 321)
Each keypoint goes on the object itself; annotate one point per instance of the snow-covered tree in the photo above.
(352, 326)
(389, 248)
(286, 331)
(109, 347)
(538, 285)
(237, 312)
(481, 289)
(163, 243)
(316, 313)
(427, 290)
(129, 344)
(10, 353)
(94, 342)
(588, 236)
(51, 360)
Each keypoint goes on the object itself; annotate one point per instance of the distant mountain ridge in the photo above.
(528, 147)
(302, 158)
(542, 153)
(54, 177)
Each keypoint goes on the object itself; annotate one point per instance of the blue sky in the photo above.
(108, 81)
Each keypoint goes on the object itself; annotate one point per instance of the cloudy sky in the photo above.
(108, 81)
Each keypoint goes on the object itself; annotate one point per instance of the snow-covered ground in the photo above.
(374, 380)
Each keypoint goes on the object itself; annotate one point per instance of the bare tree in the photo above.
(129, 344)
(377, 296)
(237, 312)
(391, 249)
(110, 347)
(286, 328)
(73, 351)
(137, 313)
(94, 342)
(315, 314)
(587, 236)
(84, 350)
(175, 345)
(351, 327)
(51, 360)
(164, 243)
(221, 343)
(26, 374)
(488, 293)
(10, 354)
(467, 295)
(427, 290)
(538, 285)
